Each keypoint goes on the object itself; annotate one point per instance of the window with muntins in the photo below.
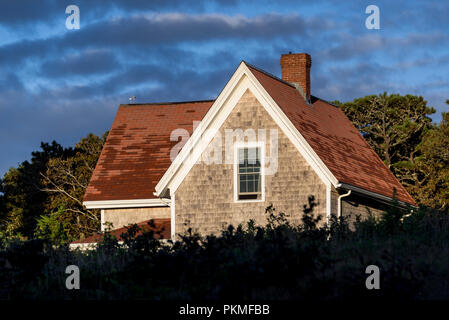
(249, 173)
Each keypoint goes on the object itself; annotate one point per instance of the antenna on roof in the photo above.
(131, 99)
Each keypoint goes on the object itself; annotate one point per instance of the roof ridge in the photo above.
(164, 103)
(285, 82)
(325, 101)
(269, 74)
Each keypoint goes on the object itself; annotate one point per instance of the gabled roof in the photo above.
(136, 154)
(137, 150)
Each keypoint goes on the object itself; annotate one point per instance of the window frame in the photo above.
(248, 145)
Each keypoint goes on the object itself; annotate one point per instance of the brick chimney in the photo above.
(296, 70)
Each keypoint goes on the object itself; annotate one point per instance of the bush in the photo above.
(53, 228)
(275, 261)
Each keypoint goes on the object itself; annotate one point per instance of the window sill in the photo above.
(245, 200)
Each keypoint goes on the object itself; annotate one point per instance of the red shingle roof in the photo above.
(137, 151)
(161, 227)
(334, 139)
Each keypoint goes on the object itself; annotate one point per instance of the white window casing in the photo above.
(242, 145)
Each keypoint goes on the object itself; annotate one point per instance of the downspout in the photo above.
(102, 220)
(339, 202)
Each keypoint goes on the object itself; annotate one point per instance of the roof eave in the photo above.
(375, 195)
(134, 203)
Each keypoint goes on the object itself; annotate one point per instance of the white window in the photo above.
(249, 180)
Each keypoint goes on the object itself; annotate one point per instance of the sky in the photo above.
(62, 84)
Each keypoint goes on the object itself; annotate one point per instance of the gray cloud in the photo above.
(85, 63)
(27, 119)
(26, 13)
(67, 85)
(162, 29)
(15, 12)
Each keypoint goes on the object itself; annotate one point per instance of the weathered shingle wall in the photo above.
(356, 205)
(123, 217)
(205, 199)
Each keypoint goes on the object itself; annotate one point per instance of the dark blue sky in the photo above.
(59, 84)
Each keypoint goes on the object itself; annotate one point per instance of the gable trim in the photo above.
(241, 80)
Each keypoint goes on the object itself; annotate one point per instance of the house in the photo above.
(262, 141)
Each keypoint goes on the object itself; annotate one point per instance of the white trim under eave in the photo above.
(240, 81)
(137, 203)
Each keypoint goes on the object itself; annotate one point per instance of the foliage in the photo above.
(432, 166)
(54, 177)
(278, 260)
(66, 180)
(53, 227)
(399, 130)
(391, 124)
(22, 198)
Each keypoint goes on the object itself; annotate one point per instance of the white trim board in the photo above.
(102, 227)
(137, 203)
(241, 80)
(328, 201)
(172, 217)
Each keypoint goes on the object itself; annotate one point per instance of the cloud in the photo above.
(155, 30)
(64, 84)
(26, 11)
(10, 82)
(85, 63)
(27, 119)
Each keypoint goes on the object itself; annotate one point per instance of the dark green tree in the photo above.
(394, 126)
(65, 182)
(47, 191)
(23, 200)
(431, 170)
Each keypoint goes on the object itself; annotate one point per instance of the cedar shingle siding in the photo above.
(205, 199)
(123, 217)
(356, 205)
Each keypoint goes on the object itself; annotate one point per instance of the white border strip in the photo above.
(328, 202)
(138, 203)
(172, 217)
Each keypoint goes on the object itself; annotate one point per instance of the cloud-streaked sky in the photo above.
(60, 84)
